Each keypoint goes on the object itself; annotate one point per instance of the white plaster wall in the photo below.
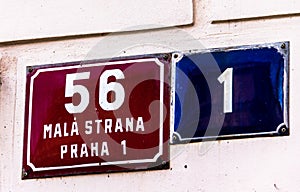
(236, 9)
(256, 164)
(43, 19)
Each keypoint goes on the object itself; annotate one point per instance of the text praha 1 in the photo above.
(98, 126)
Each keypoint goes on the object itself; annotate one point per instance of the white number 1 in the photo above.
(226, 78)
(123, 143)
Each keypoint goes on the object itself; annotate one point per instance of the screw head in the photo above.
(283, 130)
(166, 57)
(174, 138)
(30, 69)
(283, 46)
(24, 173)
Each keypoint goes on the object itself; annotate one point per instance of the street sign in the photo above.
(97, 116)
(231, 92)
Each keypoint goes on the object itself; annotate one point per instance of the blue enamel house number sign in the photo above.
(231, 92)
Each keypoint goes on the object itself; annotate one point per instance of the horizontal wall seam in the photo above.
(269, 17)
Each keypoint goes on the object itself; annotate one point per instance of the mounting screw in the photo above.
(283, 46)
(176, 56)
(174, 138)
(24, 173)
(166, 57)
(30, 69)
(283, 130)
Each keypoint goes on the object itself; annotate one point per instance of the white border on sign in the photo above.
(161, 96)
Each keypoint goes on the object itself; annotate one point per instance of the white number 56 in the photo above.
(104, 89)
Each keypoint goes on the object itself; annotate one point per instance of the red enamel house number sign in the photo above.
(97, 116)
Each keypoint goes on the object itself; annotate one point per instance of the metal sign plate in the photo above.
(97, 116)
(231, 92)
